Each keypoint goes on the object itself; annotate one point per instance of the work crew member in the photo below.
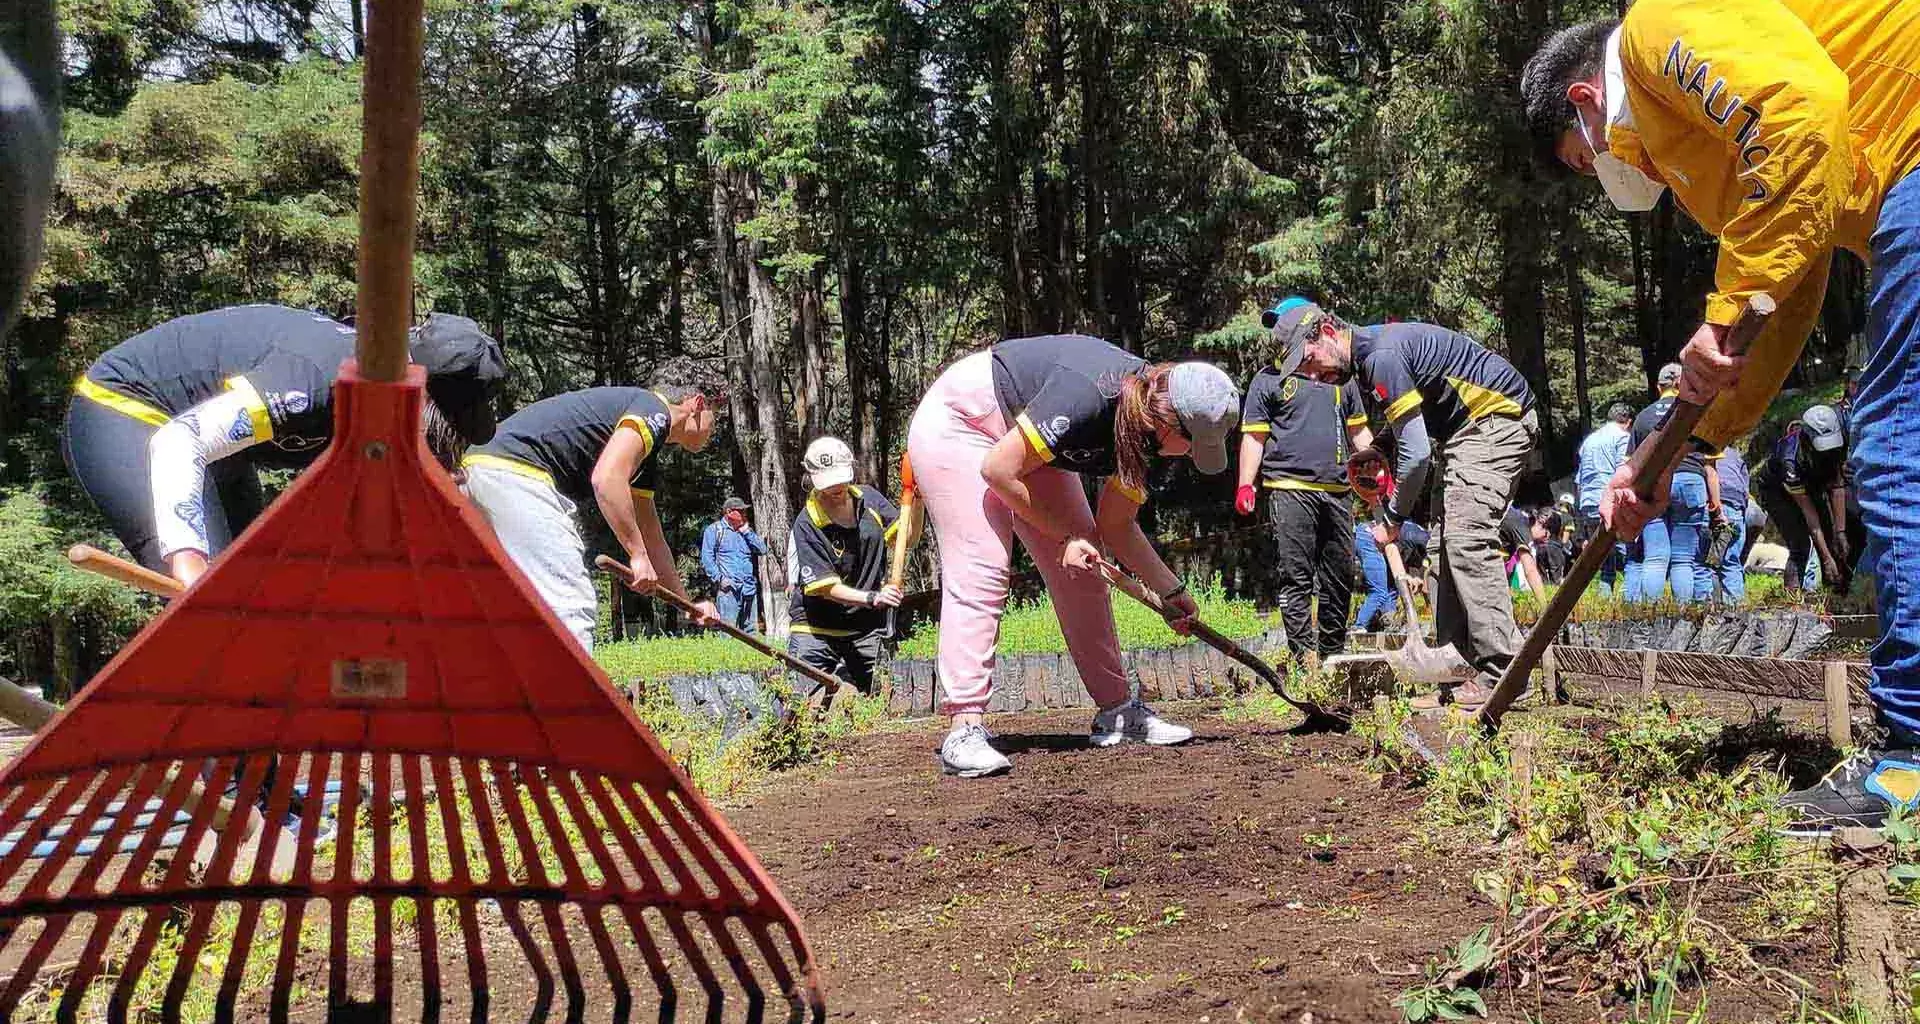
(1463, 421)
(1787, 129)
(601, 445)
(728, 547)
(1601, 454)
(998, 446)
(840, 542)
(1672, 542)
(168, 429)
(1802, 485)
(1520, 533)
(1294, 436)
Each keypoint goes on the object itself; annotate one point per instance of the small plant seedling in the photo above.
(1172, 915)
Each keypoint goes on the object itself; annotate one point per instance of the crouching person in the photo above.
(840, 543)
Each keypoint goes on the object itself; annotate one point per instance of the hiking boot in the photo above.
(966, 753)
(1135, 721)
(1860, 790)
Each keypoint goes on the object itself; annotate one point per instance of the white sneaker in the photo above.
(1135, 721)
(966, 753)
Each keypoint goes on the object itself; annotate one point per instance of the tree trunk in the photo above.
(863, 406)
(358, 27)
(1577, 327)
(1016, 316)
(809, 320)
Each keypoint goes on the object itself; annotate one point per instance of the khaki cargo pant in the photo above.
(1479, 467)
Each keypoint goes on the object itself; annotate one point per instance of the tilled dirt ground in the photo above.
(1252, 875)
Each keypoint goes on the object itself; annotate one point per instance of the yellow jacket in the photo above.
(1780, 125)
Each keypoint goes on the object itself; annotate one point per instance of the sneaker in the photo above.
(1135, 721)
(1468, 696)
(1858, 791)
(966, 753)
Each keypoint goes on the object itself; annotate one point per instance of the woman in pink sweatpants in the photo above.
(998, 446)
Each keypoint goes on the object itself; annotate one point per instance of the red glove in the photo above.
(1243, 500)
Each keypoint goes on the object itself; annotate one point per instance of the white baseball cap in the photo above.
(1209, 408)
(828, 462)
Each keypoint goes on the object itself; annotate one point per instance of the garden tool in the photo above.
(1664, 448)
(905, 529)
(524, 824)
(1414, 661)
(1318, 718)
(98, 562)
(608, 563)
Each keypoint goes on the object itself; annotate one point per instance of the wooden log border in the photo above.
(1837, 685)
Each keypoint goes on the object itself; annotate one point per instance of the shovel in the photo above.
(1319, 719)
(905, 529)
(1414, 661)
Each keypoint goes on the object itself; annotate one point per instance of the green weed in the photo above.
(1032, 627)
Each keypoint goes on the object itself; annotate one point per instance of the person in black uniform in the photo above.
(600, 445)
(1295, 435)
(840, 542)
(167, 430)
(1802, 485)
(1464, 422)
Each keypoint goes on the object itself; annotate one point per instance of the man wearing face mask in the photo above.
(1787, 129)
(1464, 423)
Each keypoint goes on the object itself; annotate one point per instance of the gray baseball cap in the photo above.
(1290, 320)
(1822, 425)
(1670, 375)
(1209, 408)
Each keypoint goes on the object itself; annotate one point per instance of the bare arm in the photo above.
(653, 540)
(1119, 521)
(1005, 469)
(1530, 568)
(1807, 512)
(1713, 486)
(614, 494)
(1251, 447)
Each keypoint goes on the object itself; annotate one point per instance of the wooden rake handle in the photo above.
(612, 565)
(1128, 585)
(1664, 449)
(94, 560)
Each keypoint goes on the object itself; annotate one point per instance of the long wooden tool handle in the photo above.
(389, 181)
(1664, 449)
(902, 537)
(1128, 585)
(610, 564)
(94, 560)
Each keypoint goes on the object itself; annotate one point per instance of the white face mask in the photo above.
(1626, 185)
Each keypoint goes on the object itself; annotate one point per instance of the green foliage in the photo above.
(668, 656)
(40, 589)
(1441, 996)
(1033, 628)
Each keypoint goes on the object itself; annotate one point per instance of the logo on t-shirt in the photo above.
(242, 428)
(658, 421)
(806, 574)
(1055, 428)
(298, 402)
(296, 443)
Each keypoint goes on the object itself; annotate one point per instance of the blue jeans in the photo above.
(1671, 543)
(1381, 597)
(1620, 568)
(742, 610)
(1732, 570)
(1886, 456)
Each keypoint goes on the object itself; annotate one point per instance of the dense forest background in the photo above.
(836, 198)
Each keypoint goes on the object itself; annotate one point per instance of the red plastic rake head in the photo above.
(508, 830)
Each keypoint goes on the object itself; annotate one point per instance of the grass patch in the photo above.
(1033, 628)
(630, 661)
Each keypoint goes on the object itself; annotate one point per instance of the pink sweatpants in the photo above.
(957, 423)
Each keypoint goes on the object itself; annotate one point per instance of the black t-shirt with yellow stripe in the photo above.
(284, 359)
(1303, 426)
(826, 553)
(562, 437)
(1060, 391)
(1452, 379)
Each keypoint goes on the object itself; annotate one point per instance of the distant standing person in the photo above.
(728, 549)
(1295, 436)
(1671, 543)
(1464, 424)
(1802, 485)
(1600, 455)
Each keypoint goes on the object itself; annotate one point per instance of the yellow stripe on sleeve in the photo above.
(1404, 404)
(130, 407)
(821, 585)
(1038, 443)
(256, 407)
(1256, 428)
(646, 433)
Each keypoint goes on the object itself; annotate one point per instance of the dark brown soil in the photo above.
(1249, 876)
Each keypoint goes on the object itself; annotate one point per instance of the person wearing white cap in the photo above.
(839, 558)
(1802, 485)
(1463, 423)
(998, 446)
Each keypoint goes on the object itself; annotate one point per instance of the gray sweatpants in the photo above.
(1472, 605)
(540, 530)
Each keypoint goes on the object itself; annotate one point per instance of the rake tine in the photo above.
(410, 777)
(483, 822)
(382, 877)
(110, 784)
(23, 976)
(568, 786)
(528, 850)
(202, 914)
(643, 813)
(89, 965)
(137, 957)
(699, 843)
(259, 873)
(278, 802)
(145, 784)
(340, 908)
(319, 767)
(461, 874)
(557, 838)
(296, 915)
(601, 791)
(35, 831)
(742, 971)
